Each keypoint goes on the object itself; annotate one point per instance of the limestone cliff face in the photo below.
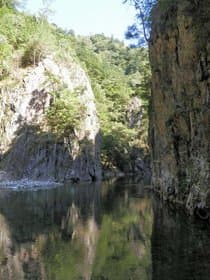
(28, 147)
(180, 107)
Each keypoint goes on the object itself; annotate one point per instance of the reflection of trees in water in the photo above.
(123, 249)
(119, 240)
(83, 232)
(71, 233)
(93, 232)
(18, 261)
(31, 219)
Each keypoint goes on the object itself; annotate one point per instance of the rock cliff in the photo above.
(180, 106)
(29, 146)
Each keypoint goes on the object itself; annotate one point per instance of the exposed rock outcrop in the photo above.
(135, 112)
(28, 146)
(180, 107)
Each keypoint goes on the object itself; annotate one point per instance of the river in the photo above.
(116, 230)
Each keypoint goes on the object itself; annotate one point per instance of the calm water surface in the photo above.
(110, 231)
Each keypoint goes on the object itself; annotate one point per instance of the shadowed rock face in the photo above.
(28, 147)
(180, 106)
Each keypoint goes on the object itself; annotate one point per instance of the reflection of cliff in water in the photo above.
(18, 261)
(75, 232)
(98, 232)
(30, 219)
(180, 247)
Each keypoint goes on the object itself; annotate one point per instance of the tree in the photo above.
(10, 3)
(46, 10)
(141, 29)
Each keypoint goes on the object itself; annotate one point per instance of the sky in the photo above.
(87, 17)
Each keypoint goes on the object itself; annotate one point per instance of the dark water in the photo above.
(110, 231)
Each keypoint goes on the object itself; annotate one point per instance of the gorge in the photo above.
(105, 148)
(40, 139)
(72, 107)
(60, 122)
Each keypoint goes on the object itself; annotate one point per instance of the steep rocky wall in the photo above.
(180, 106)
(28, 147)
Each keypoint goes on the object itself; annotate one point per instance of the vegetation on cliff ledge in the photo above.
(118, 74)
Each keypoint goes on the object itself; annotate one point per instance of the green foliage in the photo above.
(31, 36)
(16, 27)
(5, 57)
(6, 46)
(9, 3)
(66, 112)
(141, 29)
(121, 233)
(117, 74)
(62, 258)
(115, 258)
(38, 47)
(117, 143)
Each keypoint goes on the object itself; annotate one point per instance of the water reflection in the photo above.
(180, 246)
(96, 232)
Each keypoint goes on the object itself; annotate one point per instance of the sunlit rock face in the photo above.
(180, 106)
(28, 146)
(135, 112)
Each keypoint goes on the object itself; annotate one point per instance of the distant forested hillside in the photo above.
(118, 74)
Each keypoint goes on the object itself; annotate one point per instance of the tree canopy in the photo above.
(140, 30)
(10, 3)
(117, 73)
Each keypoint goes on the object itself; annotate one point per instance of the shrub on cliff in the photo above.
(66, 111)
(38, 48)
(10, 3)
(5, 57)
(27, 35)
(117, 74)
